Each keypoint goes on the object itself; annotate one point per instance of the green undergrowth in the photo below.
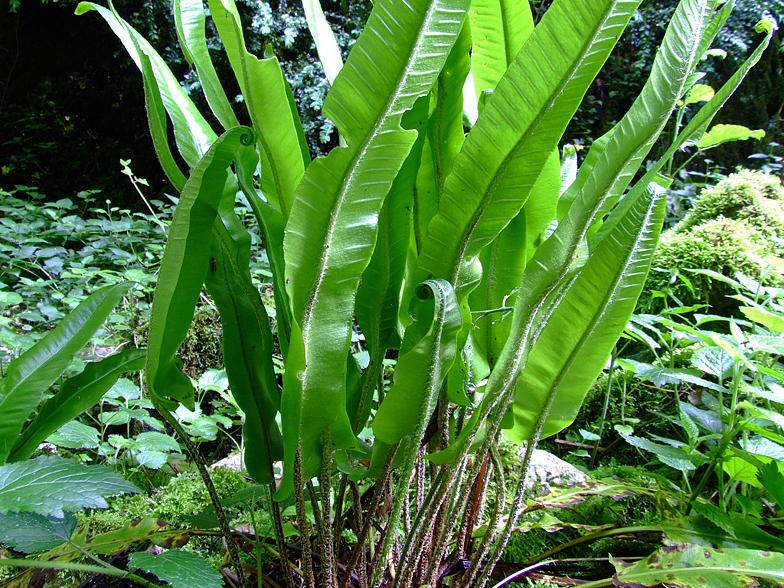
(731, 228)
(183, 494)
(55, 254)
(594, 511)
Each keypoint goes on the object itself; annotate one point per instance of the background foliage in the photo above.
(64, 86)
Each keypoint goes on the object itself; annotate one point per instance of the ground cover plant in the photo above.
(498, 285)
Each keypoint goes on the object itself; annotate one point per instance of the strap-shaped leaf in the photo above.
(553, 260)
(504, 260)
(429, 349)
(158, 122)
(444, 136)
(698, 124)
(192, 133)
(445, 129)
(499, 28)
(284, 152)
(518, 130)
(324, 38)
(190, 20)
(185, 264)
(579, 335)
(332, 228)
(31, 374)
(378, 294)
(671, 77)
(247, 345)
(75, 396)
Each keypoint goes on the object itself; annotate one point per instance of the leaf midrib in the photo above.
(348, 179)
(536, 123)
(598, 317)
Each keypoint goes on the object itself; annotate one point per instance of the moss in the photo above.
(731, 226)
(202, 349)
(184, 494)
(749, 196)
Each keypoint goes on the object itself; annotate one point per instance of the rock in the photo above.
(234, 462)
(546, 471)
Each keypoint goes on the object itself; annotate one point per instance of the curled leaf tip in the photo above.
(248, 137)
(767, 25)
(83, 7)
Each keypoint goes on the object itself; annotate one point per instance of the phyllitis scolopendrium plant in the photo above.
(500, 287)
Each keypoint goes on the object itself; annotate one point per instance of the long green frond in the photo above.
(332, 228)
(518, 130)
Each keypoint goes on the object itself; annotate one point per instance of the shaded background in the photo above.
(72, 106)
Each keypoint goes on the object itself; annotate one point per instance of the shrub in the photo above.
(732, 226)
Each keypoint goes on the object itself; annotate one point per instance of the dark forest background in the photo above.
(71, 101)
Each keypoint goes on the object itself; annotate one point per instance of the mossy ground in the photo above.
(183, 494)
(732, 226)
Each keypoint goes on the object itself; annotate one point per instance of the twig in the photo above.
(234, 554)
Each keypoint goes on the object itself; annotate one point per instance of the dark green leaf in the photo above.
(180, 569)
(29, 376)
(185, 264)
(248, 345)
(76, 395)
(29, 532)
(772, 480)
(50, 485)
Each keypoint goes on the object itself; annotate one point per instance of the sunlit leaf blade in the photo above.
(723, 133)
(190, 20)
(75, 396)
(324, 38)
(428, 351)
(597, 148)
(192, 133)
(378, 294)
(180, 569)
(579, 335)
(612, 170)
(498, 28)
(284, 153)
(445, 132)
(332, 228)
(541, 207)
(518, 130)
(690, 28)
(29, 532)
(30, 375)
(691, 566)
(663, 70)
(50, 485)
(503, 262)
(185, 264)
(158, 122)
(247, 346)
